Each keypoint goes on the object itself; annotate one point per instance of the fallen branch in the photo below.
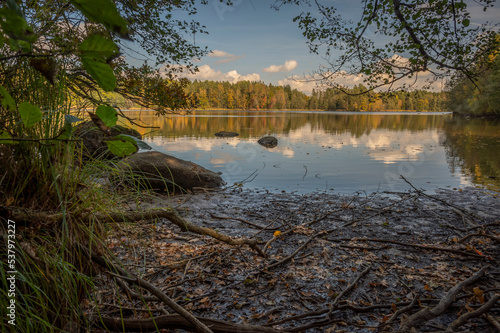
(495, 238)
(476, 313)
(462, 212)
(401, 311)
(124, 275)
(177, 322)
(349, 288)
(186, 226)
(430, 313)
(291, 256)
(424, 247)
(28, 216)
(492, 321)
(241, 220)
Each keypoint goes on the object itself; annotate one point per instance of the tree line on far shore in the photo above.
(246, 95)
(259, 96)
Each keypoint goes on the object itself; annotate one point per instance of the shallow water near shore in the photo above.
(334, 151)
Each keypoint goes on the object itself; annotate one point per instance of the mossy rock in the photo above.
(162, 172)
(94, 145)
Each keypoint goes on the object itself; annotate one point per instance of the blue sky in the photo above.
(252, 41)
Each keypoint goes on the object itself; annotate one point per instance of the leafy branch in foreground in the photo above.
(393, 41)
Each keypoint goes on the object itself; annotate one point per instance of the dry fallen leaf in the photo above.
(479, 294)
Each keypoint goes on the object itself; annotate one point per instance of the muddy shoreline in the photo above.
(404, 251)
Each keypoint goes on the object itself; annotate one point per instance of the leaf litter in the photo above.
(334, 263)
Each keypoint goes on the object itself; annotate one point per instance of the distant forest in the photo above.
(246, 95)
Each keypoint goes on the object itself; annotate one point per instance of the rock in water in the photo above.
(162, 172)
(268, 141)
(225, 134)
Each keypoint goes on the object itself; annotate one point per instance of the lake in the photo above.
(342, 152)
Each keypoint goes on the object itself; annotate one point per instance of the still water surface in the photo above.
(340, 151)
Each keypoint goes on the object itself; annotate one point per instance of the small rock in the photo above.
(225, 134)
(268, 141)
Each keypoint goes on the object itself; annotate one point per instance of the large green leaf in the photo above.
(6, 100)
(101, 72)
(122, 146)
(107, 114)
(99, 47)
(94, 51)
(105, 12)
(30, 114)
(14, 25)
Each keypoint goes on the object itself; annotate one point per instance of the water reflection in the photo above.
(473, 149)
(324, 150)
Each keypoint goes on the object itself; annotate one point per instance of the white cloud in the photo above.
(288, 66)
(225, 56)
(219, 54)
(305, 84)
(205, 72)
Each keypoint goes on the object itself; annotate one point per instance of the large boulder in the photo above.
(162, 172)
(268, 141)
(93, 139)
(225, 134)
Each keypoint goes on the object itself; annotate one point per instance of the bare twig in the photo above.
(291, 256)
(401, 311)
(349, 288)
(241, 220)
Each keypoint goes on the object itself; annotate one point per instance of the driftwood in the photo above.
(430, 313)
(183, 319)
(124, 275)
(176, 321)
(28, 216)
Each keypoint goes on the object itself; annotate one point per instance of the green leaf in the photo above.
(108, 115)
(140, 144)
(98, 46)
(125, 137)
(105, 12)
(4, 136)
(69, 118)
(14, 25)
(30, 114)
(101, 72)
(466, 23)
(121, 147)
(66, 131)
(95, 50)
(6, 100)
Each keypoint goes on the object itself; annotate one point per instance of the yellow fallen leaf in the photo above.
(277, 233)
(479, 294)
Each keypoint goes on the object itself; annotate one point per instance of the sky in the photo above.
(252, 41)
